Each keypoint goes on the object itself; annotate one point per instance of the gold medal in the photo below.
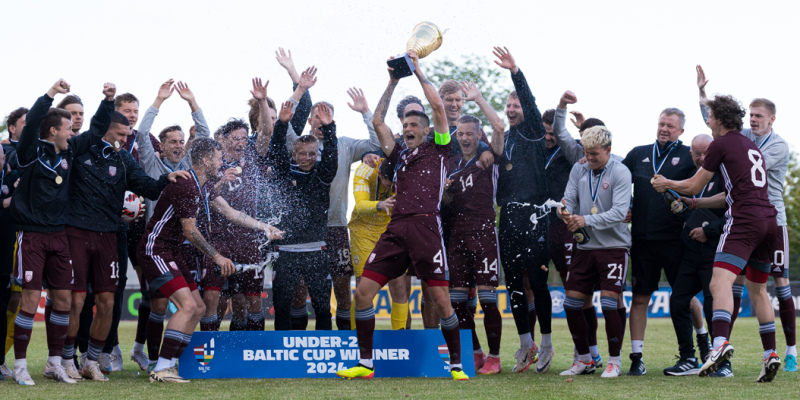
(509, 166)
(238, 170)
(59, 179)
(116, 144)
(594, 209)
(652, 180)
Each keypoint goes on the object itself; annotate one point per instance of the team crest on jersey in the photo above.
(112, 170)
(173, 265)
(28, 276)
(605, 185)
(64, 164)
(204, 354)
(676, 160)
(356, 259)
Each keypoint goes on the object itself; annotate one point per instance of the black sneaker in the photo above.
(637, 365)
(704, 345)
(683, 367)
(724, 371)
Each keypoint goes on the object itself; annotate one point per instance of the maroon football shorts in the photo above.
(780, 258)
(750, 240)
(414, 240)
(561, 244)
(473, 255)
(606, 269)
(165, 273)
(43, 255)
(337, 245)
(94, 254)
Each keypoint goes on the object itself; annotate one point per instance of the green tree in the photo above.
(492, 81)
(791, 197)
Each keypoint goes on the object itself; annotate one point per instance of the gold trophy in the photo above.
(425, 38)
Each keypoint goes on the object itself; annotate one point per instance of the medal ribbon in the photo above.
(765, 141)
(657, 165)
(593, 193)
(53, 168)
(204, 195)
(551, 157)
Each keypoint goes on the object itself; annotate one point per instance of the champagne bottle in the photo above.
(580, 236)
(674, 202)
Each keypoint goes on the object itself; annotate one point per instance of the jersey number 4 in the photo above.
(757, 174)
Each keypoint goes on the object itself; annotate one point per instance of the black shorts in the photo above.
(337, 245)
(561, 245)
(649, 258)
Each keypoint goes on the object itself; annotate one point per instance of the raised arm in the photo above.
(26, 146)
(571, 149)
(328, 164)
(148, 158)
(100, 122)
(360, 105)
(498, 128)
(302, 98)
(284, 58)
(385, 136)
(532, 127)
(242, 219)
(440, 125)
(259, 93)
(277, 145)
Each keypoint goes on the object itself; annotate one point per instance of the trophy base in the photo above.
(403, 66)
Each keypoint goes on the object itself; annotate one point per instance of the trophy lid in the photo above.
(426, 38)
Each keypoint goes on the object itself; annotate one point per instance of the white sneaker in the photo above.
(612, 370)
(579, 368)
(22, 376)
(140, 358)
(71, 369)
(5, 371)
(104, 361)
(545, 359)
(166, 376)
(716, 358)
(57, 373)
(91, 371)
(525, 357)
(769, 368)
(116, 359)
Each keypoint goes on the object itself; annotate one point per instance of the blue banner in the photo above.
(318, 354)
(658, 307)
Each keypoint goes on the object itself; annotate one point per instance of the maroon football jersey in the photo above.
(242, 195)
(473, 188)
(419, 176)
(737, 160)
(179, 200)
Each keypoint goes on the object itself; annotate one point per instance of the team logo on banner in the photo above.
(444, 353)
(204, 354)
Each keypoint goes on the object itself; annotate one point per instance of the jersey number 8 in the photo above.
(757, 174)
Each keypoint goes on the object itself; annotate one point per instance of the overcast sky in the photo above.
(626, 61)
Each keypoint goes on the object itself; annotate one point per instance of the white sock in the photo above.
(701, 330)
(546, 340)
(452, 366)
(367, 362)
(162, 364)
(594, 351)
(138, 347)
(637, 346)
(172, 362)
(525, 341)
(719, 340)
(585, 358)
(767, 353)
(791, 351)
(616, 360)
(55, 360)
(20, 363)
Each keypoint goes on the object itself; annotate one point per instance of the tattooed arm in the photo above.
(440, 125)
(379, 118)
(196, 238)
